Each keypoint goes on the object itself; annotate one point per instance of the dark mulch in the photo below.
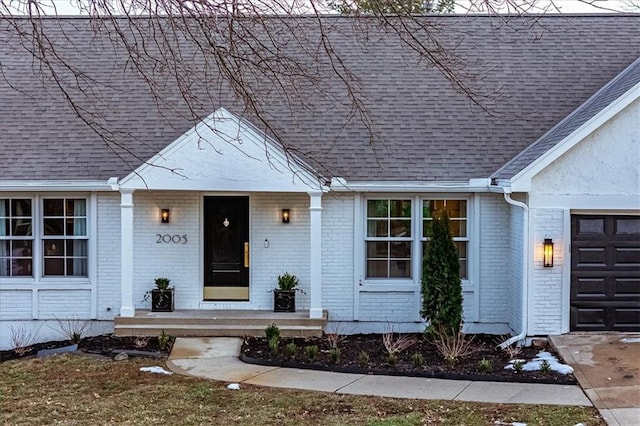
(105, 345)
(256, 350)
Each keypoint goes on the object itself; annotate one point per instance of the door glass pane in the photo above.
(628, 226)
(591, 226)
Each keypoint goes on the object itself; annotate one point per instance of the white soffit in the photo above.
(222, 153)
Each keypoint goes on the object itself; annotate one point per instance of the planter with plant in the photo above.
(284, 296)
(162, 299)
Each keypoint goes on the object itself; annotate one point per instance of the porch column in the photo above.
(127, 308)
(315, 210)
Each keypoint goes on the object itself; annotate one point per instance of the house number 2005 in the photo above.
(175, 239)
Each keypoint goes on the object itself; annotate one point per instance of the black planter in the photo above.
(284, 300)
(162, 300)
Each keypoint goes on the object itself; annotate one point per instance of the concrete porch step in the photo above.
(228, 323)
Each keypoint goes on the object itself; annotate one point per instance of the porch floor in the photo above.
(208, 323)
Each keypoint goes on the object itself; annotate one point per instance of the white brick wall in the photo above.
(67, 304)
(108, 246)
(546, 284)
(16, 305)
(494, 264)
(516, 231)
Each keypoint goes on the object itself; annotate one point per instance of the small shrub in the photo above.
(141, 342)
(545, 367)
(363, 359)
(290, 350)
(485, 365)
(22, 338)
(392, 359)
(274, 343)
(517, 366)
(452, 347)
(417, 360)
(287, 282)
(395, 345)
(334, 336)
(163, 340)
(73, 329)
(311, 352)
(271, 331)
(334, 355)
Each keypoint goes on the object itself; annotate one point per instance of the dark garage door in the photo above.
(605, 273)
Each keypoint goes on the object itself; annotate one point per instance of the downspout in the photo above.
(525, 271)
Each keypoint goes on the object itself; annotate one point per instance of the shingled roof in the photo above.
(536, 72)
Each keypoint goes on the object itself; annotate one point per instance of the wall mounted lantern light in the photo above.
(285, 215)
(165, 215)
(548, 253)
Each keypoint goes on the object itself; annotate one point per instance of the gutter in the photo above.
(56, 185)
(525, 271)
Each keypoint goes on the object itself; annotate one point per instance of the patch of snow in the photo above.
(535, 364)
(157, 370)
(233, 386)
(498, 422)
(630, 340)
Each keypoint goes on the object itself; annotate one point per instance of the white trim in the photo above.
(358, 253)
(521, 182)
(473, 256)
(92, 252)
(127, 306)
(315, 254)
(34, 304)
(566, 273)
(54, 185)
(587, 202)
(473, 185)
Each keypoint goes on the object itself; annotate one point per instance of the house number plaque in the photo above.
(171, 239)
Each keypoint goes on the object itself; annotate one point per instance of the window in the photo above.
(458, 223)
(388, 239)
(16, 237)
(64, 237)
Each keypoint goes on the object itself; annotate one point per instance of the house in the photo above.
(547, 162)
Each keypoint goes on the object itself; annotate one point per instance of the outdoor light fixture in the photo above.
(548, 253)
(165, 214)
(285, 215)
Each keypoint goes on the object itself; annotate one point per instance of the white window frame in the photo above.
(31, 237)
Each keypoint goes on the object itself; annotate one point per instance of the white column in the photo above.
(127, 308)
(315, 210)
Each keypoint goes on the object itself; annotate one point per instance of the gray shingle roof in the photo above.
(537, 71)
(603, 98)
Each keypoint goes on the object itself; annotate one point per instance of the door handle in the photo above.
(246, 255)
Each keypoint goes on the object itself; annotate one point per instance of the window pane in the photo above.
(427, 228)
(458, 228)
(77, 267)
(376, 269)
(400, 269)
(76, 247)
(377, 249)
(77, 227)
(54, 227)
(53, 207)
(4, 227)
(377, 228)
(463, 269)
(4, 208)
(377, 208)
(21, 226)
(5, 267)
(400, 208)
(401, 249)
(456, 208)
(53, 247)
(54, 266)
(21, 208)
(427, 209)
(401, 228)
(76, 208)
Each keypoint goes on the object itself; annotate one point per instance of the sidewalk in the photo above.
(217, 358)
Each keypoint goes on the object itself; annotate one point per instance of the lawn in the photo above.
(72, 389)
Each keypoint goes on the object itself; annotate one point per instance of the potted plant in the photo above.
(284, 296)
(161, 296)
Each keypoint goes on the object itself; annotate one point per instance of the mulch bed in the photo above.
(256, 350)
(105, 345)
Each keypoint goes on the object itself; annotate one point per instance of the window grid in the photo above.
(16, 237)
(64, 237)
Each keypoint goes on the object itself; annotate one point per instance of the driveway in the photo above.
(607, 366)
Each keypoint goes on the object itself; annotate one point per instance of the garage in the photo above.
(605, 273)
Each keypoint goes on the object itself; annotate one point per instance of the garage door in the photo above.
(605, 273)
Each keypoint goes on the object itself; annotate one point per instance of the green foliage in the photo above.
(274, 343)
(391, 7)
(545, 367)
(485, 365)
(363, 359)
(417, 359)
(163, 340)
(290, 350)
(517, 366)
(392, 359)
(334, 355)
(162, 283)
(287, 282)
(271, 331)
(311, 352)
(441, 285)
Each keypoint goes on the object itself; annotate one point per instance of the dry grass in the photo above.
(75, 390)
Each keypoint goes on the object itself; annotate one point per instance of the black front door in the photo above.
(226, 248)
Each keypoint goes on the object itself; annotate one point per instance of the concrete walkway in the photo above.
(217, 358)
(607, 366)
